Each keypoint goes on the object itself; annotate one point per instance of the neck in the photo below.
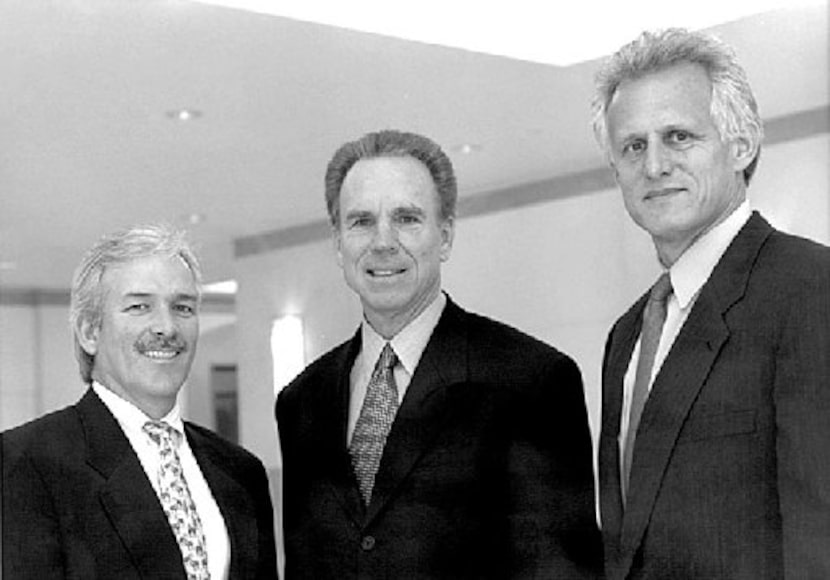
(669, 250)
(388, 325)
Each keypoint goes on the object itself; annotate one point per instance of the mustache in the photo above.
(153, 342)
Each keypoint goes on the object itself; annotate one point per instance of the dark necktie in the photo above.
(654, 316)
(374, 422)
(177, 502)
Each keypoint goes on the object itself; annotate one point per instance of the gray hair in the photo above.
(87, 299)
(733, 107)
(390, 143)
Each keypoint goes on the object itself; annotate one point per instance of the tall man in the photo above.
(714, 455)
(118, 485)
(435, 443)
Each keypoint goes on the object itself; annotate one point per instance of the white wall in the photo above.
(562, 271)
(38, 372)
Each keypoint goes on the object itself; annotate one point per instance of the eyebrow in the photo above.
(179, 296)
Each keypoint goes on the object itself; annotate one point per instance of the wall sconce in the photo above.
(287, 349)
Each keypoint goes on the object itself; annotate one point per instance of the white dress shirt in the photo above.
(688, 275)
(408, 344)
(132, 420)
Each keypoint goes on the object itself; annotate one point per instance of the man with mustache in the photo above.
(436, 443)
(118, 485)
(714, 458)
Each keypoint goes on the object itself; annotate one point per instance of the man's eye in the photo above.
(185, 309)
(679, 136)
(409, 219)
(634, 147)
(360, 222)
(137, 308)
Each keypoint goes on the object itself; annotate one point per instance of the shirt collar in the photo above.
(690, 272)
(411, 340)
(130, 417)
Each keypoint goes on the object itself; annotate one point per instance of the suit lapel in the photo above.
(619, 349)
(234, 503)
(334, 415)
(683, 374)
(423, 411)
(126, 494)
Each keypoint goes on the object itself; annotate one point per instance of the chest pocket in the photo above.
(719, 425)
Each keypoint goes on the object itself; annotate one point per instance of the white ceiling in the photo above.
(86, 145)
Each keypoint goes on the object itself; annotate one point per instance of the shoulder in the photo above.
(795, 251)
(226, 452)
(49, 432)
(791, 268)
(323, 372)
(496, 336)
(56, 437)
(498, 346)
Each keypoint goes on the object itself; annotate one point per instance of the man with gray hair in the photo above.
(714, 458)
(435, 443)
(118, 485)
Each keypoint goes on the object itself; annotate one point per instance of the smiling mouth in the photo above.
(384, 272)
(161, 354)
(665, 192)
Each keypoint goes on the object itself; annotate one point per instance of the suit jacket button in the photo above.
(367, 543)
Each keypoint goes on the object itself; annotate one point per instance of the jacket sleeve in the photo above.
(802, 415)
(31, 547)
(551, 513)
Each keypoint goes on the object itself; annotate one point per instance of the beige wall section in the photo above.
(38, 372)
(792, 187)
(562, 270)
(303, 280)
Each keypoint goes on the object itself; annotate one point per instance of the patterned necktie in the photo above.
(176, 501)
(374, 422)
(654, 316)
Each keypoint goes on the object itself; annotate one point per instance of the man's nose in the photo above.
(658, 160)
(163, 323)
(386, 237)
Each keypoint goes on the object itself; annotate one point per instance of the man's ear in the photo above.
(337, 242)
(447, 237)
(87, 334)
(744, 150)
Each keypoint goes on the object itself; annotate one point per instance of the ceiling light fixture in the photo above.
(468, 148)
(183, 115)
(522, 29)
(222, 287)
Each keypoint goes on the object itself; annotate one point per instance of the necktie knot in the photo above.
(162, 434)
(661, 289)
(387, 359)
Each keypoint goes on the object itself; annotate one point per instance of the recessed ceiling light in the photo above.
(195, 218)
(183, 115)
(468, 148)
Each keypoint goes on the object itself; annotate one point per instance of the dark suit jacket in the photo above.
(486, 471)
(77, 503)
(731, 470)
